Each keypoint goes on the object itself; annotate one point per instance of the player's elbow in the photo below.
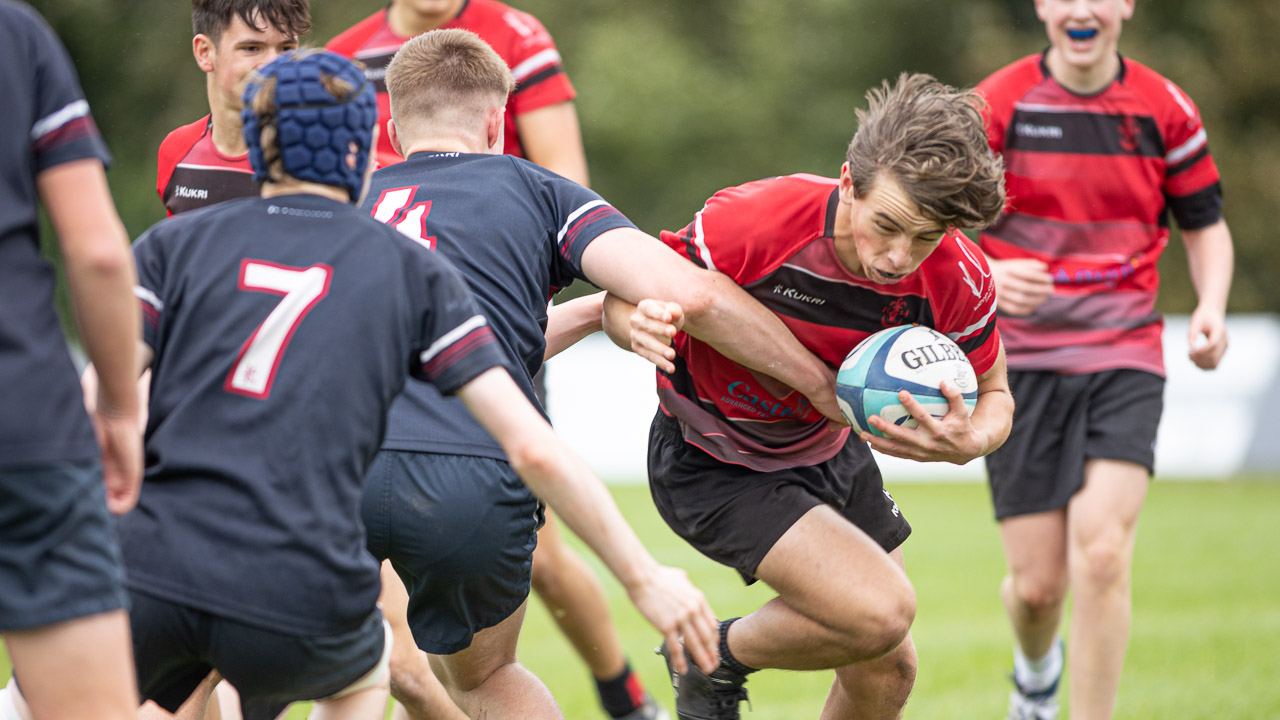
(537, 462)
(697, 294)
(99, 260)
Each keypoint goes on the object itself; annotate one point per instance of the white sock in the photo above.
(1038, 674)
(8, 711)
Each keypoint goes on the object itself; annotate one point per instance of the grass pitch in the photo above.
(1206, 624)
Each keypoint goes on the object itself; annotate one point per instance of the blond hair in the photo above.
(931, 139)
(446, 76)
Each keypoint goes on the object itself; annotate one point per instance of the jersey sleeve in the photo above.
(64, 129)
(1191, 184)
(726, 234)
(536, 65)
(455, 343)
(150, 262)
(963, 296)
(577, 215)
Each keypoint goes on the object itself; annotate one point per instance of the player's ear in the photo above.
(204, 50)
(393, 136)
(494, 129)
(846, 184)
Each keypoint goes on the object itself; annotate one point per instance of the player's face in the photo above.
(240, 51)
(887, 235)
(1084, 33)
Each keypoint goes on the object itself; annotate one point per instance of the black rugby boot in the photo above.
(700, 696)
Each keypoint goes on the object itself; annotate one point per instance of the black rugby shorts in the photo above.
(735, 515)
(1059, 421)
(460, 532)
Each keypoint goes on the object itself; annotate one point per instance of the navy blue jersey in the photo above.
(282, 329)
(516, 232)
(44, 121)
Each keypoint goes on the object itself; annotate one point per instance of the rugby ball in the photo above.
(909, 357)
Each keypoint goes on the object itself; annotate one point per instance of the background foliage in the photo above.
(679, 98)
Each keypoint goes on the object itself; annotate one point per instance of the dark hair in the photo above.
(212, 17)
(930, 138)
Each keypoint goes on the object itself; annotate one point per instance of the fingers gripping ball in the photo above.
(323, 107)
(911, 357)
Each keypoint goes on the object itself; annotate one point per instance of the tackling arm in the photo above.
(716, 311)
(554, 473)
(569, 322)
(1211, 259)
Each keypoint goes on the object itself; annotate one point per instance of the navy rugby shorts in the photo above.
(59, 557)
(175, 646)
(1059, 421)
(735, 515)
(460, 532)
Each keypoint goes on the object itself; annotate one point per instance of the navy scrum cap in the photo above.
(316, 129)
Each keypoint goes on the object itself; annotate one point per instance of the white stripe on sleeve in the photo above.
(148, 297)
(575, 215)
(451, 337)
(535, 62)
(55, 120)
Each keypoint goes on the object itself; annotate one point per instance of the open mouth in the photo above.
(893, 277)
(1082, 34)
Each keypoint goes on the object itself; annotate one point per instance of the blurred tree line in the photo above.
(679, 98)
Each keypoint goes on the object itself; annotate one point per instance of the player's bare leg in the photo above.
(1036, 586)
(1102, 526)
(485, 680)
(80, 669)
(202, 705)
(419, 694)
(841, 599)
(873, 689)
(576, 601)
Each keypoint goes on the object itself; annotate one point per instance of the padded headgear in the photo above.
(315, 129)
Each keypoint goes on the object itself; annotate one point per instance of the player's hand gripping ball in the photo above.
(910, 357)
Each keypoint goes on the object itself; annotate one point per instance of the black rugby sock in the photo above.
(726, 658)
(622, 694)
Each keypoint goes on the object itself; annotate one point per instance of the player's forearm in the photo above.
(723, 315)
(993, 414)
(616, 320)
(1211, 260)
(565, 483)
(569, 322)
(100, 276)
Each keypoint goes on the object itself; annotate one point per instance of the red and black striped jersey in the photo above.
(518, 38)
(191, 173)
(775, 238)
(1092, 180)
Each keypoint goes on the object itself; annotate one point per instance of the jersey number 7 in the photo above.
(260, 355)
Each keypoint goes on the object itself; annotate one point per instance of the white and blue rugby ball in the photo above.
(910, 357)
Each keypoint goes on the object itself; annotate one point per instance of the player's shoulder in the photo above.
(22, 18)
(180, 140)
(783, 198)
(504, 27)
(958, 265)
(350, 40)
(1013, 80)
(1157, 90)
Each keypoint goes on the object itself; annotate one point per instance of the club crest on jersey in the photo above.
(1130, 131)
(893, 314)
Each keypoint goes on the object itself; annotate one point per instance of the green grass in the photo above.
(1206, 628)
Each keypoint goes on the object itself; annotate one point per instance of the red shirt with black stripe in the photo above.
(518, 38)
(1092, 181)
(775, 238)
(191, 173)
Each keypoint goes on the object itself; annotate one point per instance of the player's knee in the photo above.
(871, 630)
(1041, 595)
(1104, 563)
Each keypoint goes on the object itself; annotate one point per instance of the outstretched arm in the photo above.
(554, 473)
(569, 322)
(100, 274)
(634, 266)
(1211, 258)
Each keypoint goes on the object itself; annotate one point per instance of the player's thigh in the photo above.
(59, 558)
(825, 567)
(1035, 548)
(73, 667)
(491, 648)
(1104, 515)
